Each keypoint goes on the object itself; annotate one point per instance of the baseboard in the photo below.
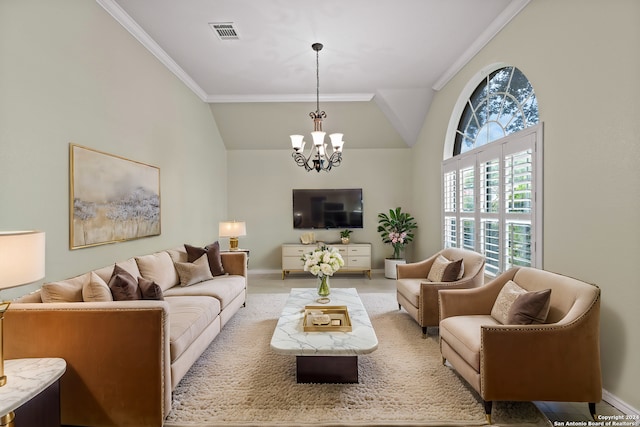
(263, 271)
(619, 404)
(271, 271)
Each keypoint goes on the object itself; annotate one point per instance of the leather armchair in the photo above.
(419, 297)
(558, 360)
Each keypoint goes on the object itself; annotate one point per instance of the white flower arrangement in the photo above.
(323, 261)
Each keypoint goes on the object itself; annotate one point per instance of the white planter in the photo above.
(390, 267)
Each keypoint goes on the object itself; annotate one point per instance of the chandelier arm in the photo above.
(301, 160)
(335, 158)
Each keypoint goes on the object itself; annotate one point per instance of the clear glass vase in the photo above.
(323, 286)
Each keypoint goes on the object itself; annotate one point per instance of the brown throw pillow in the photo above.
(443, 270)
(150, 289)
(213, 256)
(530, 308)
(215, 261)
(123, 285)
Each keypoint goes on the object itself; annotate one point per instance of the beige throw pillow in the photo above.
(517, 306)
(69, 290)
(443, 270)
(96, 290)
(194, 272)
(508, 294)
(158, 268)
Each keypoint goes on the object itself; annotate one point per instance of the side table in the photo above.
(32, 391)
(238, 250)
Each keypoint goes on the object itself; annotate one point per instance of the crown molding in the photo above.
(338, 97)
(136, 31)
(510, 12)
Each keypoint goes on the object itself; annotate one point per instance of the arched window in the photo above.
(492, 178)
(503, 103)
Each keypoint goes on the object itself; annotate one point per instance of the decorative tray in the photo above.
(326, 318)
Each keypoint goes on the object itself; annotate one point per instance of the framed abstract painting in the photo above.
(112, 199)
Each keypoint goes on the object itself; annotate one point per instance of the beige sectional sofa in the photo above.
(124, 358)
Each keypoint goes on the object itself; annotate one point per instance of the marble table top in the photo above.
(26, 378)
(290, 338)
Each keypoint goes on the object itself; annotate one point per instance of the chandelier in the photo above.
(321, 157)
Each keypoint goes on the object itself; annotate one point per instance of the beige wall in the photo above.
(260, 184)
(583, 60)
(70, 73)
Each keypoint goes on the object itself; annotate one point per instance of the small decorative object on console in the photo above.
(308, 238)
(344, 236)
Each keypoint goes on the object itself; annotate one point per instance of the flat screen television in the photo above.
(327, 208)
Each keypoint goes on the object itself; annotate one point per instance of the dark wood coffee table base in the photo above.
(327, 369)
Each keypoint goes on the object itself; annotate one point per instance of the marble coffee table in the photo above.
(324, 357)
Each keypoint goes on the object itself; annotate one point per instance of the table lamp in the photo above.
(232, 229)
(21, 262)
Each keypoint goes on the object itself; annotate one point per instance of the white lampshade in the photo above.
(21, 257)
(318, 138)
(297, 142)
(336, 141)
(232, 229)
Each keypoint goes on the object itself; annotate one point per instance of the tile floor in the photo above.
(557, 412)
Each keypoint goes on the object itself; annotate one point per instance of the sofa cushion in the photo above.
(410, 289)
(530, 308)
(124, 287)
(224, 288)
(96, 290)
(150, 289)
(159, 268)
(194, 272)
(33, 297)
(69, 290)
(178, 254)
(443, 270)
(190, 316)
(213, 256)
(463, 334)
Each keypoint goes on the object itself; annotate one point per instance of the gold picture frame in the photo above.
(112, 199)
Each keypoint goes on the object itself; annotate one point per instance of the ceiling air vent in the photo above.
(225, 30)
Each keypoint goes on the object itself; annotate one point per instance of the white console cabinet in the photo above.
(357, 257)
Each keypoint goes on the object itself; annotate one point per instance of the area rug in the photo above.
(239, 381)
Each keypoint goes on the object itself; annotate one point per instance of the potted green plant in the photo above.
(396, 229)
(344, 236)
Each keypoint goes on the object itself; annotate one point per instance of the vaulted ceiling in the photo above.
(381, 63)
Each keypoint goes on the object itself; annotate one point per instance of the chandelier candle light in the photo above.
(319, 157)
